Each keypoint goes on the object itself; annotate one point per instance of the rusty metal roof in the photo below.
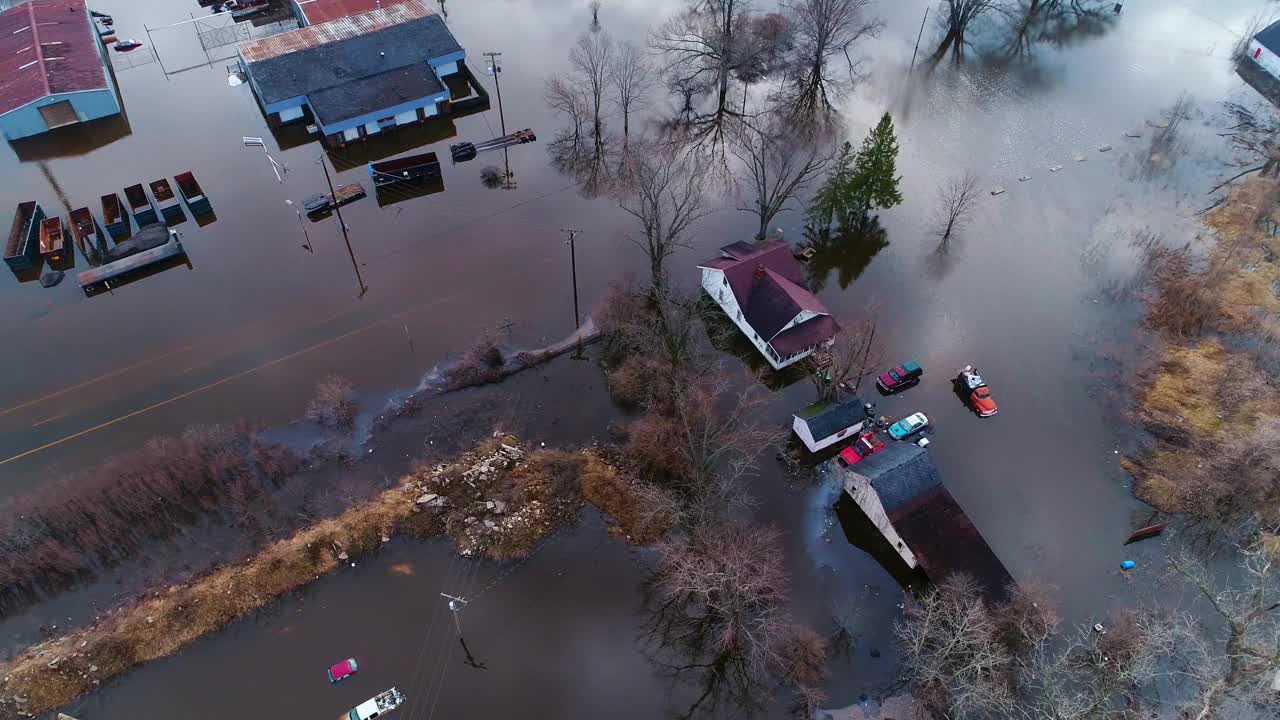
(344, 28)
(46, 47)
(319, 11)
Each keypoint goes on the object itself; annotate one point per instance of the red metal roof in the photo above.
(46, 47)
(335, 30)
(318, 11)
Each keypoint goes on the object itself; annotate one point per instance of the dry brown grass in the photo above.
(1212, 408)
(641, 511)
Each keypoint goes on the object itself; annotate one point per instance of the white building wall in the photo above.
(292, 113)
(845, 434)
(351, 134)
(713, 282)
(862, 493)
(1267, 59)
(430, 110)
(407, 117)
(371, 128)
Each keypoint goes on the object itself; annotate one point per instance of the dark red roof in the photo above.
(318, 11)
(47, 47)
(770, 287)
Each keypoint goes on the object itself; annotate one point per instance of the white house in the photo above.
(762, 289)
(822, 425)
(1264, 49)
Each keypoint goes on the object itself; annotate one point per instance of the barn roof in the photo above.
(47, 47)
(319, 11)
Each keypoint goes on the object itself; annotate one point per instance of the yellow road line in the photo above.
(223, 381)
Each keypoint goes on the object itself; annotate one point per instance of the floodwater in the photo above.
(1026, 293)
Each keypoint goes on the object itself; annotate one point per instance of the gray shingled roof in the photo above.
(342, 66)
(899, 473)
(1270, 37)
(370, 95)
(836, 418)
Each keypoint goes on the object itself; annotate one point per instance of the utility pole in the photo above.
(497, 70)
(573, 265)
(342, 223)
(918, 36)
(455, 604)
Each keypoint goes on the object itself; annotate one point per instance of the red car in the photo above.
(900, 377)
(983, 403)
(343, 670)
(865, 446)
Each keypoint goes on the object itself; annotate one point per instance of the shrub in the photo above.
(334, 404)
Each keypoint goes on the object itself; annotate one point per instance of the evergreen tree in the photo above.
(832, 199)
(860, 181)
(875, 174)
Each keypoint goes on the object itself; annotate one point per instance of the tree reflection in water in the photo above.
(847, 250)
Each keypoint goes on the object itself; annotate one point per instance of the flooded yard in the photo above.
(1030, 291)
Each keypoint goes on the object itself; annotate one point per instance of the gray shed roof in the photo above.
(900, 473)
(1269, 37)
(341, 66)
(370, 95)
(832, 420)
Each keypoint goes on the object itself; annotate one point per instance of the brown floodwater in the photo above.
(1031, 292)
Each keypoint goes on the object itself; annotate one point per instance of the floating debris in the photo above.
(997, 190)
(1079, 158)
(1055, 168)
(1023, 178)
(1104, 148)
(1132, 134)
(1146, 532)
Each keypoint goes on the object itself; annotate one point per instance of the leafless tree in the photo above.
(778, 167)
(700, 47)
(720, 606)
(566, 98)
(958, 197)
(956, 17)
(667, 196)
(592, 59)
(632, 79)
(853, 354)
(825, 33)
(334, 403)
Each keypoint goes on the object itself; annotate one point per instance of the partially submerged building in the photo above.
(901, 493)
(53, 68)
(762, 289)
(357, 75)
(822, 425)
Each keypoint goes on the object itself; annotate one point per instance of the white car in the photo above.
(908, 425)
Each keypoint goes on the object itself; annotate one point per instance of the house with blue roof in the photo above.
(357, 75)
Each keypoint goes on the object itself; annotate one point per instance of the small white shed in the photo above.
(822, 425)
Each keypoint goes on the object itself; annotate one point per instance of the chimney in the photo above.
(760, 272)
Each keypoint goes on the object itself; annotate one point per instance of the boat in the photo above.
(126, 45)
(23, 245)
(84, 231)
(53, 243)
(464, 151)
(170, 206)
(412, 167)
(144, 213)
(321, 202)
(1149, 531)
(192, 193)
(113, 216)
(147, 251)
(376, 706)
